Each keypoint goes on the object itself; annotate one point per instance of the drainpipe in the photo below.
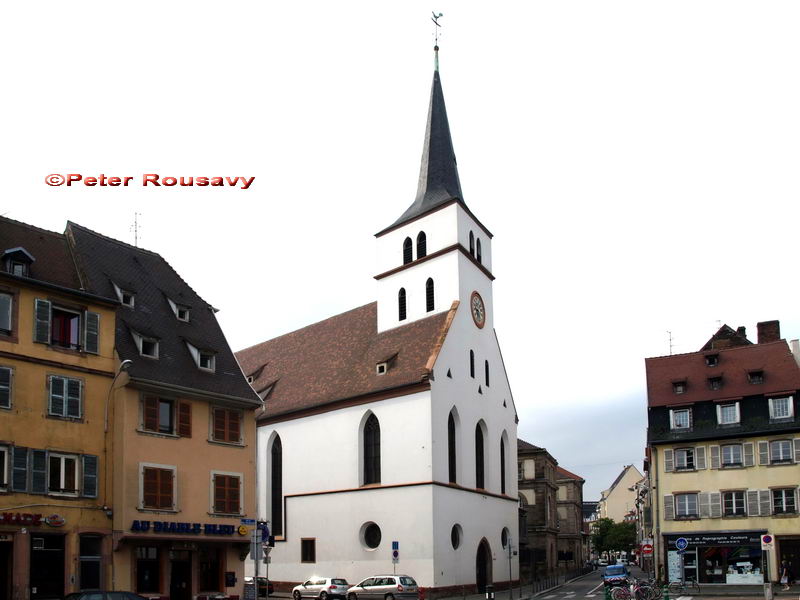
(655, 494)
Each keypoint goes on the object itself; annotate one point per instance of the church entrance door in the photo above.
(483, 566)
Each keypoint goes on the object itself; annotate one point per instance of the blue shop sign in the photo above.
(184, 528)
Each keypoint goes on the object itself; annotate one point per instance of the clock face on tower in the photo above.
(477, 309)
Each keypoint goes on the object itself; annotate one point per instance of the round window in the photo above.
(455, 536)
(504, 537)
(371, 535)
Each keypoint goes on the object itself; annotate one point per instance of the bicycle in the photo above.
(690, 586)
(640, 590)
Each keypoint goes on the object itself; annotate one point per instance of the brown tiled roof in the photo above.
(564, 474)
(335, 359)
(781, 374)
(53, 260)
(523, 445)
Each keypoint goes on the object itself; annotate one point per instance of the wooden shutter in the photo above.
(74, 398)
(703, 501)
(715, 508)
(219, 424)
(747, 454)
(797, 450)
(19, 476)
(669, 507)
(714, 457)
(185, 419)
(219, 494)
(5, 387)
(764, 503)
(89, 470)
(700, 457)
(752, 503)
(165, 489)
(38, 472)
(233, 494)
(56, 396)
(91, 335)
(150, 488)
(41, 327)
(763, 453)
(234, 426)
(150, 413)
(669, 461)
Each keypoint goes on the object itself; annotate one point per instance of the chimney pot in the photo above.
(769, 331)
(741, 331)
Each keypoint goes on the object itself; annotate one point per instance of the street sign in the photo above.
(681, 552)
(647, 550)
(681, 543)
(767, 542)
(250, 522)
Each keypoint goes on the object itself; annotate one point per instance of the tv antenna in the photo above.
(135, 228)
(669, 333)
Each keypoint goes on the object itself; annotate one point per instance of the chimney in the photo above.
(740, 330)
(769, 331)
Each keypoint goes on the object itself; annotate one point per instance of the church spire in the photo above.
(438, 173)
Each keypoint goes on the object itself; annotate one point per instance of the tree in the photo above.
(609, 536)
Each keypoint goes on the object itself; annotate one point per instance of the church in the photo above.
(388, 437)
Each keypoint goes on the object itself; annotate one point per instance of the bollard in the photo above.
(607, 592)
(665, 592)
(489, 592)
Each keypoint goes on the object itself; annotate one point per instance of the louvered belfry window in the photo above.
(401, 304)
(408, 250)
(226, 494)
(429, 299)
(372, 451)
(422, 245)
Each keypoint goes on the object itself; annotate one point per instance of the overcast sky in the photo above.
(636, 162)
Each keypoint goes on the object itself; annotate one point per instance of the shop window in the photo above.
(733, 504)
(158, 487)
(686, 506)
(90, 559)
(780, 451)
(62, 474)
(65, 397)
(227, 493)
(227, 425)
(728, 414)
(148, 578)
(308, 550)
(732, 455)
(680, 419)
(783, 501)
(684, 459)
(5, 387)
(209, 570)
(781, 408)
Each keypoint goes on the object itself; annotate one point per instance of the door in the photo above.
(5, 569)
(47, 567)
(789, 550)
(483, 566)
(180, 581)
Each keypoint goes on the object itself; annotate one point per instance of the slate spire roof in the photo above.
(438, 172)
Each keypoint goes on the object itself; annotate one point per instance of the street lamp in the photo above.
(123, 366)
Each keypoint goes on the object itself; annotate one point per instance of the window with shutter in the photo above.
(747, 449)
(5, 387)
(752, 503)
(227, 425)
(714, 457)
(704, 502)
(185, 419)
(227, 494)
(3, 468)
(158, 415)
(89, 480)
(39, 472)
(74, 398)
(700, 457)
(66, 397)
(91, 342)
(763, 453)
(715, 509)
(669, 462)
(41, 328)
(734, 504)
(158, 488)
(19, 475)
(797, 450)
(669, 507)
(764, 503)
(62, 473)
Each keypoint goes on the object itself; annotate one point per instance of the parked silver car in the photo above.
(322, 588)
(385, 587)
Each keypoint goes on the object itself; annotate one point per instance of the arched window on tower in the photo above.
(502, 466)
(471, 244)
(479, 470)
(407, 251)
(401, 304)
(472, 364)
(276, 486)
(486, 371)
(372, 451)
(451, 448)
(422, 245)
(429, 295)
(478, 249)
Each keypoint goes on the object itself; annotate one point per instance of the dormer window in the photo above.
(17, 268)
(181, 310)
(204, 359)
(17, 261)
(715, 383)
(755, 377)
(148, 346)
(712, 360)
(679, 387)
(124, 296)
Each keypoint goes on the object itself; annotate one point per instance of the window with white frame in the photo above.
(204, 359)
(65, 397)
(733, 504)
(780, 451)
(781, 408)
(181, 311)
(681, 418)
(728, 414)
(62, 474)
(148, 346)
(686, 505)
(5, 387)
(125, 297)
(684, 458)
(783, 501)
(732, 455)
(3, 468)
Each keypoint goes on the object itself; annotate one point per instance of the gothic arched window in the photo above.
(429, 295)
(478, 250)
(471, 244)
(502, 466)
(451, 448)
(372, 451)
(422, 245)
(407, 251)
(401, 304)
(276, 486)
(486, 371)
(472, 364)
(479, 471)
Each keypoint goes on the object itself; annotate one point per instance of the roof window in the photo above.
(755, 377)
(712, 360)
(715, 383)
(181, 310)
(148, 346)
(17, 261)
(124, 296)
(204, 359)
(679, 387)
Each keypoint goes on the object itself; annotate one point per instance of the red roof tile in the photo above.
(564, 474)
(781, 374)
(336, 359)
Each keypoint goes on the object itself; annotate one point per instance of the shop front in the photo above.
(716, 557)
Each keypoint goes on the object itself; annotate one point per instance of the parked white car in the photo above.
(321, 588)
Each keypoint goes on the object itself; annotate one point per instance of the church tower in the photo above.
(437, 251)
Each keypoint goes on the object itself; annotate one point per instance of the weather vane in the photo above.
(435, 20)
